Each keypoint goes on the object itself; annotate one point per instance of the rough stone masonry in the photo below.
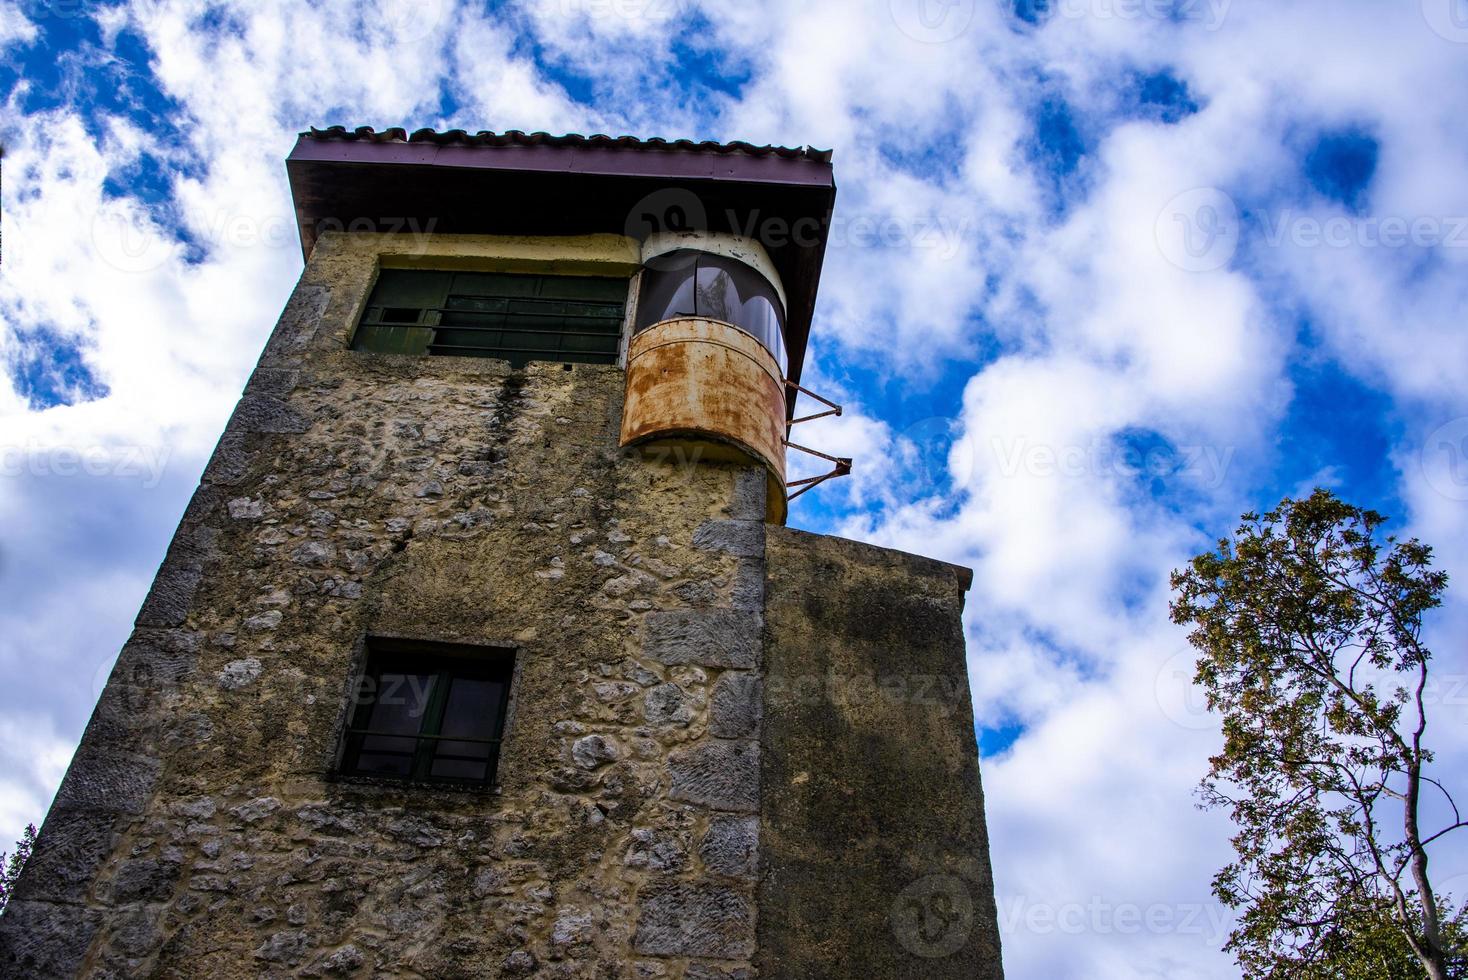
(733, 749)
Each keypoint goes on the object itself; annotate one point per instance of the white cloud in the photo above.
(15, 27)
(1069, 331)
(33, 758)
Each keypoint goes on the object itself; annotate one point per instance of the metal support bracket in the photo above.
(834, 409)
(842, 468)
(843, 464)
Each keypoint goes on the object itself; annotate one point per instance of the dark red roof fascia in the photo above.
(339, 174)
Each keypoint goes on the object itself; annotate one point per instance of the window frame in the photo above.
(428, 325)
(381, 655)
(657, 271)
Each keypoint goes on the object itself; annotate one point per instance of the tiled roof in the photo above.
(516, 138)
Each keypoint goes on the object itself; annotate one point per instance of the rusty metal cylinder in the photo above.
(713, 389)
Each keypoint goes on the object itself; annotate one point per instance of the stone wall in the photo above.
(198, 831)
(874, 851)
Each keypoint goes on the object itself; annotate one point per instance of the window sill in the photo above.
(378, 786)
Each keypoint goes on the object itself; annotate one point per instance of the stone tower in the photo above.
(482, 648)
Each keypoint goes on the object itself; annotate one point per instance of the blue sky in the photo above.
(1104, 275)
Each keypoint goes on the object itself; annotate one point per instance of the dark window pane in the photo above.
(399, 703)
(478, 304)
(472, 713)
(390, 744)
(372, 764)
(717, 297)
(410, 288)
(472, 708)
(494, 284)
(463, 313)
(429, 715)
(459, 769)
(382, 338)
(585, 288)
(689, 283)
(667, 292)
(386, 755)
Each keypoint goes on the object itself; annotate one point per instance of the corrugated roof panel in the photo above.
(515, 137)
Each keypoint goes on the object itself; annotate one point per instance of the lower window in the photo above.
(429, 712)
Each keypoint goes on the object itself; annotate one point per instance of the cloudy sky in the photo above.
(1104, 274)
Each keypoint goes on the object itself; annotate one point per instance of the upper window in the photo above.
(429, 713)
(481, 314)
(691, 283)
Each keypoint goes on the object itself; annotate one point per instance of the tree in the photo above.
(10, 868)
(1308, 628)
(1368, 945)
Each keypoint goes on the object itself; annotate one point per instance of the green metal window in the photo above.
(482, 314)
(429, 713)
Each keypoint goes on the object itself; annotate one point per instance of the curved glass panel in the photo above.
(692, 283)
